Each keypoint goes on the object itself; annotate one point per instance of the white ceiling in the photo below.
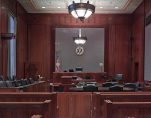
(60, 6)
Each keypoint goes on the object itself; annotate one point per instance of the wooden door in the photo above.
(81, 105)
(74, 105)
(64, 105)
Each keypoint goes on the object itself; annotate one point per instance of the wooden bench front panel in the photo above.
(127, 109)
(98, 100)
(25, 109)
(31, 97)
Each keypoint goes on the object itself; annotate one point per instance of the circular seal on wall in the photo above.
(79, 50)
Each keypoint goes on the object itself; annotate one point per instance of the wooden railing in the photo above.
(127, 109)
(98, 100)
(31, 97)
(84, 104)
(25, 109)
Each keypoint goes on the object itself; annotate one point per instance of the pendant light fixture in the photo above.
(80, 40)
(81, 10)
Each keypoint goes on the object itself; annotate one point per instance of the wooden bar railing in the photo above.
(127, 109)
(25, 109)
(31, 97)
(99, 97)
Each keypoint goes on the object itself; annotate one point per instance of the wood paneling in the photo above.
(13, 7)
(25, 109)
(138, 42)
(147, 7)
(74, 105)
(127, 109)
(21, 47)
(98, 100)
(39, 48)
(117, 33)
(119, 50)
(31, 97)
(9, 5)
(6, 7)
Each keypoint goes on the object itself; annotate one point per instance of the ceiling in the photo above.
(60, 6)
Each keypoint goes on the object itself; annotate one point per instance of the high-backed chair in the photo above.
(109, 84)
(3, 84)
(31, 80)
(10, 84)
(116, 88)
(130, 85)
(90, 88)
(16, 83)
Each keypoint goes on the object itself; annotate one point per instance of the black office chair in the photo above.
(31, 80)
(130, 85)
(10, 84)
(90, 88)
(28, 81)
(16, 83)
(116, 88)
(109, 84)
(19, 83)
(23, 81)
(3, 84)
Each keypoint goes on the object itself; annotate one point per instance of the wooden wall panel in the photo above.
(119, 46)
(0, 40)
(3, 43)
(9, 5)
(111, 52)
(138, 44)
(13, 7)
(21, 46)
(117, 29)
(6, 7)
(147, 7)
(39, 48)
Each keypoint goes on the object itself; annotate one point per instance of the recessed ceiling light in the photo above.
(43, 7)
(116, 7)
(58, 7)
(101, 7)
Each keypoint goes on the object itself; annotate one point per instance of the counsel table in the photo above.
(100, 88)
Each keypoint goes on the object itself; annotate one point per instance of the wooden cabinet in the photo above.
(74, 105)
